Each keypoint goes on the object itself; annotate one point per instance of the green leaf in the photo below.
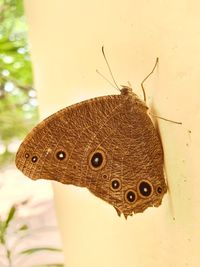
(2, 232)
(34, 250)
(4, 224)
(8, 252)
(10, 216)
(23, 228)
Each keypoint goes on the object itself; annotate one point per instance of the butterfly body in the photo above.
(106, 144)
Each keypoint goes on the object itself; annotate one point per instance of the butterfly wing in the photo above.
(107, 144)
(58, 142)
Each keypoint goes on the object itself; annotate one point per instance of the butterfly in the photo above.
(107, 144)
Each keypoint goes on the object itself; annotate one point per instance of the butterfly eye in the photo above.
(130, 196)
(26, 155)
(97, 160)
(34, 159)
(145, 188)
(115, 184)
(60, 155)
(159, 189)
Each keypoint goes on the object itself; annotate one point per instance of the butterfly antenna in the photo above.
(109, 68)
(142, 83)
(113, 85)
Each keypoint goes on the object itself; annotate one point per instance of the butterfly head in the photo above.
(126, 90)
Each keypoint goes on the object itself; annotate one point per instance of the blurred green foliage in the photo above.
(13, 234)
(18, 103)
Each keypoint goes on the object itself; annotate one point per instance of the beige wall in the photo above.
(66, 39)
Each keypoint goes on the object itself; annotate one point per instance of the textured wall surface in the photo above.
(66, 39)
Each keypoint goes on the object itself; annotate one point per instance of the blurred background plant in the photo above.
(13, 237)
(18, 103)
(25, 240)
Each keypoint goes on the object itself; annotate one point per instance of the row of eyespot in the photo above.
(144, 189)
(96, 159)
(59, 155)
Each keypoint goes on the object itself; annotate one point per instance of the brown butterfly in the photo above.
(107, 144)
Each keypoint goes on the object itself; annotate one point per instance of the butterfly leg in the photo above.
(177, 122)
